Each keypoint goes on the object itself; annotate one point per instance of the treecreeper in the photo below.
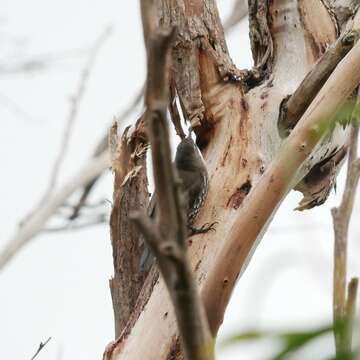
(192, 172)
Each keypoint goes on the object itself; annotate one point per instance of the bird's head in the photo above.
(188, 156)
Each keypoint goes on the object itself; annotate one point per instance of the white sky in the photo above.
(58, 285)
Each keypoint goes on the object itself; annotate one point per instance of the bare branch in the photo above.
(36, 221)
(41, 346)
(341, 219)
(12, 64)
(100, 219)
(168, 236)
(52, 200)
(74, 109)
(15, 108)
(102, 146)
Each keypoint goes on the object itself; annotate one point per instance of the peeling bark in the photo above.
(343, 9)
(130, 192)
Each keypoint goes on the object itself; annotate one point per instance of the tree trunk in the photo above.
(235, 115)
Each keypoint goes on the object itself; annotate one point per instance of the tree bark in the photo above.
(235, 114)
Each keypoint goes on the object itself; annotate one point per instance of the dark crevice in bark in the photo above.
(343, 10)
(200, 36)
(239, 195)
(318, 183)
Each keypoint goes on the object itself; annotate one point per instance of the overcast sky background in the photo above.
(58, 285)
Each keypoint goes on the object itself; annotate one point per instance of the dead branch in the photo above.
(74, 109)
(16, 108)
(102, 146)
(49, 202)
(41, 346)
(167, 237)
(38, 62)
(31, 226)
(96, 220)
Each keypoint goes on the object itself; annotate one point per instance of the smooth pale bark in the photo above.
(239, 139)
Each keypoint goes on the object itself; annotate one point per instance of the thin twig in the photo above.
(12, 64)
(15, 108)
(41, 346)
(102, 146)
(52, 199)
(341, 219)
(74, 110)
(37, 220)
(71, 227)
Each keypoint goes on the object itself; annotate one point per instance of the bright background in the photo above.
(58, 285)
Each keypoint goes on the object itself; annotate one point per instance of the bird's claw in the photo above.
(203, 229)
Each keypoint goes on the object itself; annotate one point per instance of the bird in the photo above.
(192, 172)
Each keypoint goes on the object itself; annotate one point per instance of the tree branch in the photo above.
(49, 202)
(74, 109)
(41, 346)
(341, 219)
(294, 106)
(350, 311)
(168, 236)
(263, 200)
(102, 146)
(31, 226)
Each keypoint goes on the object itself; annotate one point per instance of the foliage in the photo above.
(292, 341)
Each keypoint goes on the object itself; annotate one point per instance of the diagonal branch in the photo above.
(294, 106)
(41, 346)
(36, 221)
(100, 147)
(52, 199)
(73, 113)
(275, 184)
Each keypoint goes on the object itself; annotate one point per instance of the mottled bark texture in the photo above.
(130, 192)
(251, 167)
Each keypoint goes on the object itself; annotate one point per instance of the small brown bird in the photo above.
(192, 172)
